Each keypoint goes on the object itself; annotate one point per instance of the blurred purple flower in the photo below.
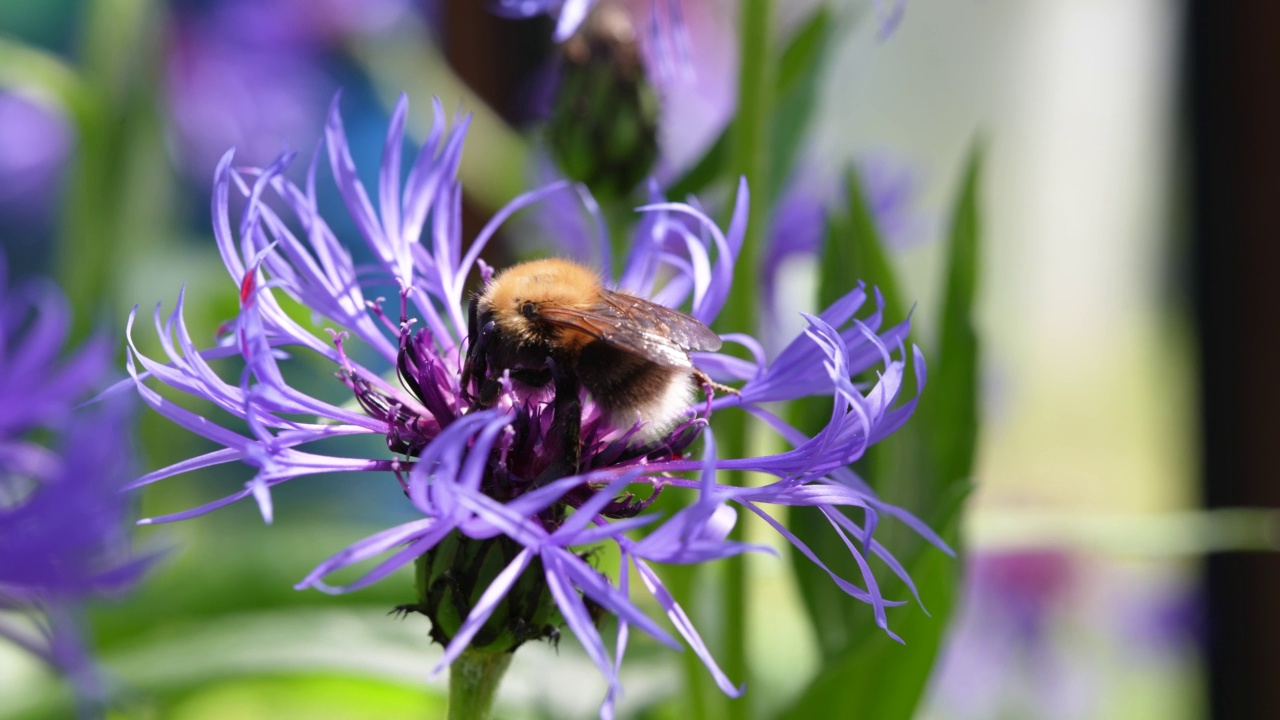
(319, 24)
(34, 145)
(63, 520)
(1041, 633)
(497, 473)
(892, 188)
(222, 91)
(39, 390)
(800, 220)
(889, 187)
(999, 659)
(250, 73)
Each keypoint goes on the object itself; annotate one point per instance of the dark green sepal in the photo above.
(452, 577)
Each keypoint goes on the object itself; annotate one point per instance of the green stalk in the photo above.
(473, 683)
(681, 583)
(117, 204)
(750, 159)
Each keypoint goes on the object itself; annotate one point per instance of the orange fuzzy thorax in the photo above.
(554, 281)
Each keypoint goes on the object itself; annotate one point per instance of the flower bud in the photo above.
(604, 119)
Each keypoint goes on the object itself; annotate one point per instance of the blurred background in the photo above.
(1113, 567)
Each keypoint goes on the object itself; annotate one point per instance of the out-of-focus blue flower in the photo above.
(892, 189)
(1041, 631)
(889, 186)
(63, 519)
(251, 73)
(315, 23)
(223, 90)
(39, 388)
(34, 145)
(799, 223)
(1000, 658)
(493, 473)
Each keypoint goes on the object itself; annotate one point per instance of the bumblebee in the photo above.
(552, 322)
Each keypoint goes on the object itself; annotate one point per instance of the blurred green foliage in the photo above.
(925, 467)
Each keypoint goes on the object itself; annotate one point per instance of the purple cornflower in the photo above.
(63, 520)
(501, 543)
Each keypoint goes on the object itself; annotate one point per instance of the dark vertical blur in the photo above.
(495, 56)
(502, 61)
(1233, 93)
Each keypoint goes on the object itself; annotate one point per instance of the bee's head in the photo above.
(516, 298)
(512, 317)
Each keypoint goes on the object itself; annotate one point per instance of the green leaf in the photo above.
(852, 250)
(951, 410)
(879, 678)
(220, 567)
(853, 242)
(796, 96)
(39, 75)
(323, 696)
(924, 468)
(116, 204)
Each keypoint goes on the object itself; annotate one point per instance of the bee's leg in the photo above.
(710, 387)
(407, 609)
(566, 423)
(476, 365)
(490, 388)
(473, 357)
(473, 319)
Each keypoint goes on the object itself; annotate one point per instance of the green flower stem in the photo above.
(750, 159)
(681, 582)
(473, 683)
(116, 205)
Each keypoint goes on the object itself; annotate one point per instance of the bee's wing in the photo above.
(654, 332)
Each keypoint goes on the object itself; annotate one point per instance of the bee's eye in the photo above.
(528, 310)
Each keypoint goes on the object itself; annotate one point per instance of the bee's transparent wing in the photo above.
(654, 332)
